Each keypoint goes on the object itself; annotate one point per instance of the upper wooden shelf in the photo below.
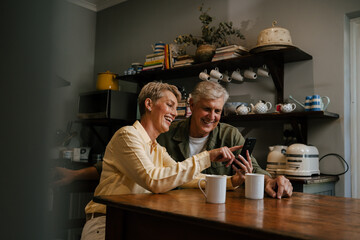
(290, 54)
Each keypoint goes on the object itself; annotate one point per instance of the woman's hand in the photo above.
(245, 167)
(224, 154)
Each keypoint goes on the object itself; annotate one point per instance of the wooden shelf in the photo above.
(279, 116)
(298, 120)
(291, 54)
(273, 59)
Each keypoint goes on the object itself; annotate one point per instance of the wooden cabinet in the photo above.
(274, 60)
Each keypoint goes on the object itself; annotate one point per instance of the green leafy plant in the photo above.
(217, 36)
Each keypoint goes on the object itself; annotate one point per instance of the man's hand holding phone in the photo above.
(243, 162)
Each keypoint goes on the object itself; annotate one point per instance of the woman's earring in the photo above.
(149, 108)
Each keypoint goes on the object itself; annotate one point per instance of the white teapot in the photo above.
(261, 107)
(286, 107)
(242, 109)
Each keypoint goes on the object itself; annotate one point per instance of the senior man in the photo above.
(203, 131)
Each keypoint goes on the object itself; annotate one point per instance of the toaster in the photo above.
(302, 160)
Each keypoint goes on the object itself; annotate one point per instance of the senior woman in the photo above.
(135, 163)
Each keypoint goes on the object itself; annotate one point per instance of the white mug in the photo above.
(262, 72)
(254, 186)
(236, 75)
(226, 78)
(215, 188)
(216, 74)
(250, 74)
(204, 76)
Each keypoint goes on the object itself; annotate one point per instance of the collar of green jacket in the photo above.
(183, 136)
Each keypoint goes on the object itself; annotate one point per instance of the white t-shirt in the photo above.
(197, 145)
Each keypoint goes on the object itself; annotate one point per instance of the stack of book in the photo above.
(160, 60)
(154, 61)
(230, 51)
(181, 108)
(183, 60)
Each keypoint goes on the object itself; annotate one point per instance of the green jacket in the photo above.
(176, 142)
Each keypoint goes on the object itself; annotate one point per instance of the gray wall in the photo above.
(73, 57)
(125, 32)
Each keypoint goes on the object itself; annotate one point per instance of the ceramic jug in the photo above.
(313, 103)
(261, 107)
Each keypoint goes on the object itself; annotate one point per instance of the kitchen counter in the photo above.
(313, 179)
(317, 184)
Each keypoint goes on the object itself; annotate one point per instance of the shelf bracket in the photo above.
(300, 128)
(276, 68)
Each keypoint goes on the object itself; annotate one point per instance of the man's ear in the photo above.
(191, 104)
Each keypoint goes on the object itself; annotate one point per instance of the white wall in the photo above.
(126, 31)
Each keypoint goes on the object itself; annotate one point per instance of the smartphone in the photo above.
(248, 145)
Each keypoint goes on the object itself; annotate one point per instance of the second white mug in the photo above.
(226, 78)
(236, 75)
(263, 72)
(254, 186)
(216, 74)
(250, 74)
(204, 76)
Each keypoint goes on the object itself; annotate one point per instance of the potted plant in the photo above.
(211, 37)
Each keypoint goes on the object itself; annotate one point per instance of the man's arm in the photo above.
(64, 176)
(275, 187)
(278, 187)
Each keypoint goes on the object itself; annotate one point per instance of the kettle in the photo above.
(107, 80)
(261, 107)
(276, 160)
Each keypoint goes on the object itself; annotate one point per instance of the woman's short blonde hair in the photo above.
(154, 91)
(209, 90)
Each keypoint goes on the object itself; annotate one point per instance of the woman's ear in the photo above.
(148, 104)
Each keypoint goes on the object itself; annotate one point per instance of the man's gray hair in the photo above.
(154, 91)
(209, 90)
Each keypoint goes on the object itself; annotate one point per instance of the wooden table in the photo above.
(184, 214)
